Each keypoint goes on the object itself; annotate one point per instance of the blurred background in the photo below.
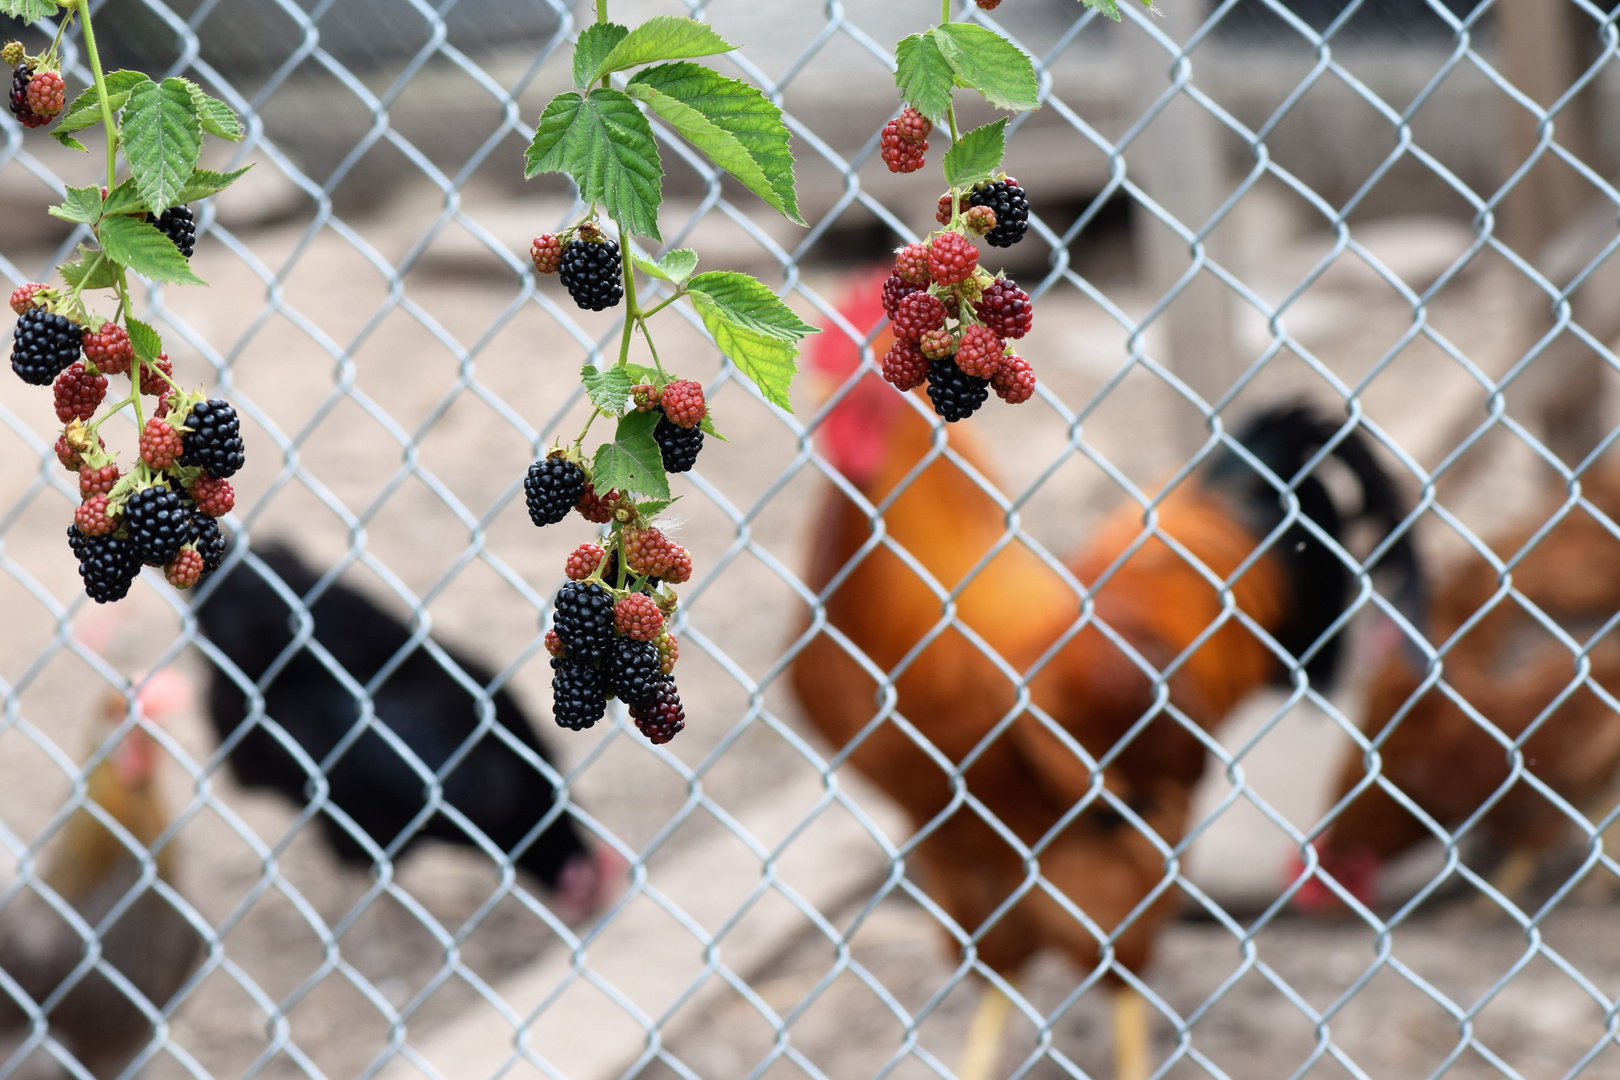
(1406, 207)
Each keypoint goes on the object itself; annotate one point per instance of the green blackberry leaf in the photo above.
(596, 41)
(609, 388)
(205, 182)
(631, 462)
(81, 204)
(663, 37)
(123, 199)
(987, 62)
(67, 140)
(923, 76)
(90, 269)
(29, 10)
(753, 328)
(1106, 7)
(144, 340)
(145, 250)
(674, 266)
(162, 138)
(603, 141)
(214, 115)
(707, 424)
(654, 507)
(977, 155)
(85, 110)
(734, 125)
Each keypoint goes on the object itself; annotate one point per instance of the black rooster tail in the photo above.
(1286, 439)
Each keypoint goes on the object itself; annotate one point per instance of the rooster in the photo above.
(1495, 654)
(92, 870)
(934, 595)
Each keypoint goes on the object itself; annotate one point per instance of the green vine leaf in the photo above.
(753, 328)
(81, 204)
(977, 155)
(609, 388)
(146, 251)
(85, 111)
(90, 269)
(29, 10)
(216, 117)
(674, 266)
(162, 139)
(653, 507)
(205, 182)
(987, 62)
(603, 141)
(662, 37)
(145, 340)
(923, 76)
(734, 125)
(631, 462)
(596, 42)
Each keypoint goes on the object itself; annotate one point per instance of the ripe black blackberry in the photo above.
(591, 274)
(179, 225)
(578, 700)
(159, 523)
(44, 345)
(956, 394)
(1011, 205)
(107, 564)
(21, 76)
(583, 619)
(553, 487)
(214, 441)
(210, 544)
(632, 670)
(678, 446)
(662, 717)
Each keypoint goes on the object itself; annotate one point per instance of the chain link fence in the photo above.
(1402, 211)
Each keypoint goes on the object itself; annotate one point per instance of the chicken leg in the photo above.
(1513, 873)
(982, 1047)
(1132, 1041)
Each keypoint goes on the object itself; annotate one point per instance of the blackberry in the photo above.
(1015, 381)
(583, 618)
(956, 394)
(896, 289)
(159, 523)
(47, 93)
(210, 544)
(904, 366)
(917, 314)
(584, 561)
(637, 616)
(107, 565)
(1011, 206)
(597, 508)
(45, 344)
(678, 446)
(952, 258)
(178, 224)
(632, 670)
(554, 485)
(214, 441)
(682, 401)
(578, 700)
(1005, 308)
(21, 76)
(899, 153)
(662, 717)
(591, 272)
(79, 393)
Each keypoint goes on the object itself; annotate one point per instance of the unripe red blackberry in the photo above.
(661, 718)
(942, 212)
(1005, 308)
(937, 344)
(554, 644)
(955, 394)
(899, 154)
(904, 366)
(69, 455)
(591, 274)
(184, 570)
(44, 344)
(646, 552)
(913, 126)
(597, 508)
(47, 93)
(546, 253)
(160, 445)
(678, 446)
(644, 396)
(1011, 206)
(637, 616)
(669, 650)
(917, 314)
(979, 219)
(988, 5)
(214, 496)
(980, 351)
(1014, 381)
(951, 258)
(180, 226)
(683, 403)
(553, 487)
(22, 297)
(21, 76)
(78, 393)
(96, 481)
(109, 349)
(92, 519)
(896, 289)
(680, 565)
(911, 264)
(584, 560)
(153, 384)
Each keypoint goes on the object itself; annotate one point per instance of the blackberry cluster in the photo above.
(159, 523)
(591, 272)
(44, 345)
(107, 564)
(678, 446)
(213, 441)
(1011, 207)
(553, 487)
(956, 394)
(180, 226)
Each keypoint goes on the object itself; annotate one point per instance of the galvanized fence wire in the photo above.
(1179, 54)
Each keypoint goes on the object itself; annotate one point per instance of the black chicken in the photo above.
(373, 789)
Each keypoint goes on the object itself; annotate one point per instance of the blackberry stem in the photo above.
(651, 348)
(632, 313)
(662, 304)
(83, 8)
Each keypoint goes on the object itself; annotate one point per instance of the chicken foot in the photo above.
(982, 1047)
(1133, 1055)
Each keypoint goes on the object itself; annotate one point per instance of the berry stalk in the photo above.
(102, 97)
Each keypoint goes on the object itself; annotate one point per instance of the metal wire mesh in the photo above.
(397, 365)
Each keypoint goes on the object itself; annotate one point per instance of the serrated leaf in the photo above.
(707, 424)
(145, 340)
(609, 388)
(90, 270)
(662, 37)
(139, 246)
(29, 10)
(923, 76)
(734, 125)
(639, 375)
(674, 266)
(977, 155)
(216, 117)
(205, 182)
(753, 328)
(123, 199)
(68, 141)
(653, 507)
(85, 109)
(162, 139)
(595, 43)
(80, 204)
(989, 63)
(1109, 7)
(603, 142)
(631, 462)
